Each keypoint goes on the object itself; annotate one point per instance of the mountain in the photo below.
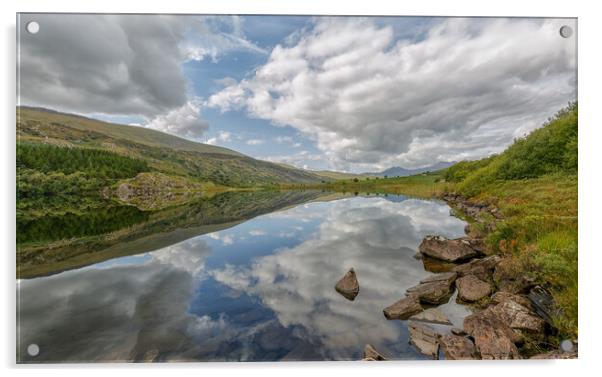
(161, 152)
(398, 171)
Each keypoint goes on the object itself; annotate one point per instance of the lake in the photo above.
(251, 282)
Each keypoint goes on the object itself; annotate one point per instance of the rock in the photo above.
(517, 316)
(499, 297)
(432, 315)
(493, 339)
(371, 354)
(481, 268)
(457, 331)
(418, 256)
(471, 288)
(348, 286)
(435, 293)
(448, 277)
(457, 347)
(404, 308)
(439, 247)
(424, 338)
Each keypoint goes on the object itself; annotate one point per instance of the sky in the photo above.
(351, 94)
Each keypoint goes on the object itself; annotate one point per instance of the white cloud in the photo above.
(255, 142)
(257, 233)
(222, 136)
(184, 121)
(371, 101)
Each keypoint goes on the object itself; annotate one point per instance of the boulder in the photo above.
(404, 308)
(457, 347)
(481, 268)
(434, 293)
(439, 247)
(518, 317)
(432, 315)
(471, 288)
(499, 297)
(371, 354)
(348, 286)
(493, 339)
(424, 338)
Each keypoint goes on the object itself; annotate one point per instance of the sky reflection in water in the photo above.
(262, 290)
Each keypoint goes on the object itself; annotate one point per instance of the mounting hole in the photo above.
(566, 31)
(566, 345)
(32, 27)
(33, 349)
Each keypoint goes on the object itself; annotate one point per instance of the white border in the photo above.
(589, 185)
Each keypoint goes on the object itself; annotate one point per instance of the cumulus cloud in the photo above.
(184, 121)
(375, 236)
(369, 100)
(222, 136)
(123, 64)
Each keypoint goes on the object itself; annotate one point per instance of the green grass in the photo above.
(423, 185)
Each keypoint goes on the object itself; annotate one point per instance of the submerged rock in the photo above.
(471, 288)
(432, 315)
(455, 250)
(493, 339)
(348, 286)
(424, 338)
(404, 308)
(371, 354)
(457, 347)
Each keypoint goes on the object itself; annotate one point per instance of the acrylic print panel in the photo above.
(271, 188)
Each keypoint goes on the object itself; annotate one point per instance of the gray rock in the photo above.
(471, 288)
(404, 308)
(424, 338)
(518, 317)
(434, 293)
(348, 286)
(493, 339)
(432, 315)
(481, 268)
(439, 247)
(371, 354)
(457, 347)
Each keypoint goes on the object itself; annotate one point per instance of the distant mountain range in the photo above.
(398, 171)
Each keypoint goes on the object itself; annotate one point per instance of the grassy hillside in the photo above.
(160, 152)
(138, 134)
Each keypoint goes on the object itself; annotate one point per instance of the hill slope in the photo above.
(161, 152)
(398, 171)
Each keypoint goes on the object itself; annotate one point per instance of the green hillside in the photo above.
(138, 134)
(160, 152)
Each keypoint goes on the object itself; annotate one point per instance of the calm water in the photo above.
(258, 290)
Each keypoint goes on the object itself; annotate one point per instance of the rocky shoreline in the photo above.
(509, 310)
